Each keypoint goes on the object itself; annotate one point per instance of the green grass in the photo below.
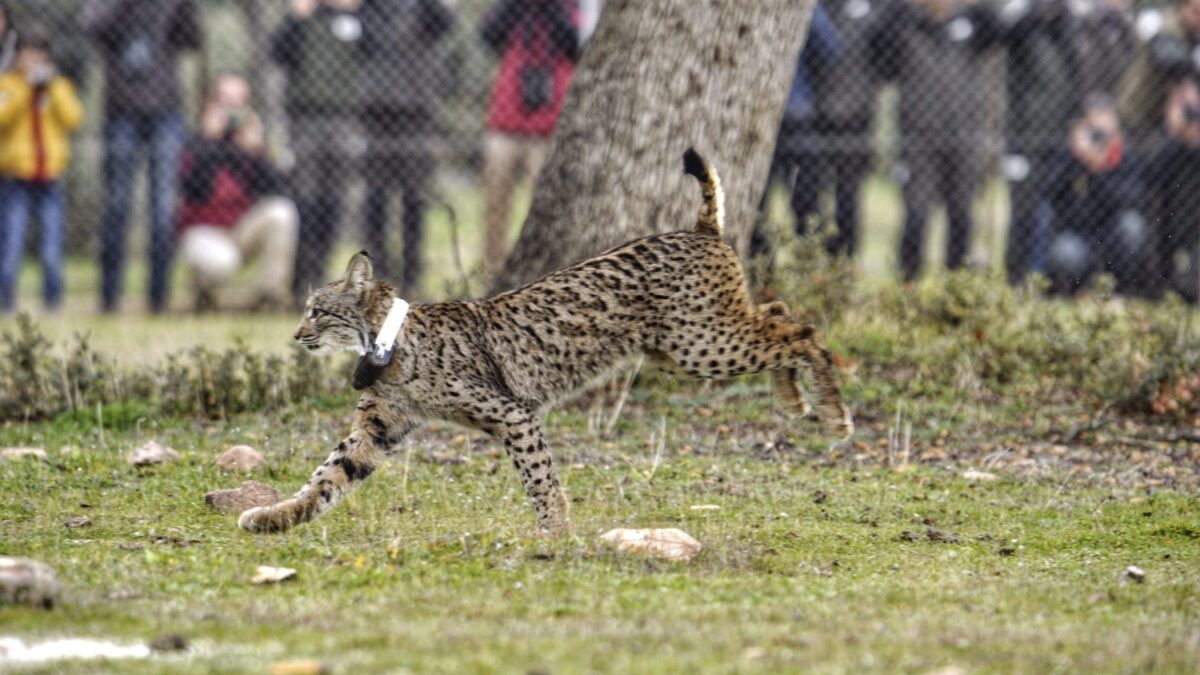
(432, 565)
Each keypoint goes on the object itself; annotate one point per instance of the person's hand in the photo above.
(213, 121)
(249, 136)
(302, 9)
(37, 69)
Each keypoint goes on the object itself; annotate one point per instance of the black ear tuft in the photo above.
(693, 165)
(365, 252)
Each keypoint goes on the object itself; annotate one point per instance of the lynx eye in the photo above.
(312, 313)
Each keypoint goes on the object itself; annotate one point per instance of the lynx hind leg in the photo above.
(787, 388)
(793, 348)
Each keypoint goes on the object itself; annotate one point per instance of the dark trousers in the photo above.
(324, 145)
(127, 140)
(1027, 236)
(946, 175)
(808, 159)
(398, 158)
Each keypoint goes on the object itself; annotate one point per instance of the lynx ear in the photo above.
(359, 271)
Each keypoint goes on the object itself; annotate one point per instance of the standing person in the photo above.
(797, 160)
(232, 204)
(1043, 77)
(319, 45)
(38, 112)
(846, 91)
(932, 49)
(401, 102)
(537, 44)
(140, 43)
(1169, 52)
(8, 39)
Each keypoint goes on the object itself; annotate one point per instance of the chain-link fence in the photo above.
(1052, 136)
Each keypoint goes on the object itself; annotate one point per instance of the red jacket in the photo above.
(220, 182)
(538, 42)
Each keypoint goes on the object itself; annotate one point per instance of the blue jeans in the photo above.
(126, 139)
(17, 198)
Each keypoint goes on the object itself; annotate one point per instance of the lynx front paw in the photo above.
(262, 520)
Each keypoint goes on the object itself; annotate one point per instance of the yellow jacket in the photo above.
(26, 146)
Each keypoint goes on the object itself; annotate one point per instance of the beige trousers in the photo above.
(506, 158)
(268, 231)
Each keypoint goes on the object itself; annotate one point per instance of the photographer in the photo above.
(1091, 193)
(231, 205)
(537, 42)
(38, 112)
(1170, 52)
(1173, 178)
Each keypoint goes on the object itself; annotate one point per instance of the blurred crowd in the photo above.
(1098, 141)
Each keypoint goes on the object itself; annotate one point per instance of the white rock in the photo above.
(27, 582)
(668, 543)
(241, 458)
(705, 507)
(270, 575)
(13, 454)
(978, 476)
(1135, 574)
(152, 452)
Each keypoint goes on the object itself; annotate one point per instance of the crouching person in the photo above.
(232, 205)
(38, 112)
(1092, 194)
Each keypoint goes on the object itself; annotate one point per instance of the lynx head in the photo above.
(335, 314)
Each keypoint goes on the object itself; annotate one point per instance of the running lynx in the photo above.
(497, 364)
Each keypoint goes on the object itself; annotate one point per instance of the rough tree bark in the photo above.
(656, 77)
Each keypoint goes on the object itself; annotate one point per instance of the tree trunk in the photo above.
(657, 77)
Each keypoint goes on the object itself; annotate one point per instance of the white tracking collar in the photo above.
(391, 328)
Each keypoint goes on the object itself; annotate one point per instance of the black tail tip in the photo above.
(693, 165)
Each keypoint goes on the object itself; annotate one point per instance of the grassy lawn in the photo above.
(817, 559)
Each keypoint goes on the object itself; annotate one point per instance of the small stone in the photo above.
(667, 543)
(150, 454)
(241, 458)
(14, 454)
(1135, 574)
(27, 582)
(297, 668)
(77, 521)
(265, 574)
(170, 642)
(907, 535)
(978, 476)
(249, 495)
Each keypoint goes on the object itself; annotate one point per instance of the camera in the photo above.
(1098, 137)
(1191, 114)
(233, 123)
